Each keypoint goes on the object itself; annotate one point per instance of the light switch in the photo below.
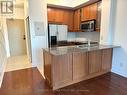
(39, 28)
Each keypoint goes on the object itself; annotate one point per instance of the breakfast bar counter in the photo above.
(67, 65)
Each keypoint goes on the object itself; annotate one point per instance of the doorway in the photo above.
(17, 45)
(16, 36)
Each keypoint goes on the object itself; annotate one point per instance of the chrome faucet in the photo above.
(89, 42)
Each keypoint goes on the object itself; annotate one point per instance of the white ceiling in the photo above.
(68, 3)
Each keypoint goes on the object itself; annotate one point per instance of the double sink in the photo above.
(84, 46)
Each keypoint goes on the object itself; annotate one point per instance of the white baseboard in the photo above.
(119, 73)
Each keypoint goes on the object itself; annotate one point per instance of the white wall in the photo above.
(120, 38)
(106, 22)
(38, 13)
(26, 9)
(114, 31)
(18, 14)
(3, 57)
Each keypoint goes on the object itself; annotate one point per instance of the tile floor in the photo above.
(18, 63)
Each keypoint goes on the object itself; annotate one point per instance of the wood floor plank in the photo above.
(30, 82)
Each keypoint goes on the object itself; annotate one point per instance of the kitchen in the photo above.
(75, 25)
(74, 52)
(82, 62)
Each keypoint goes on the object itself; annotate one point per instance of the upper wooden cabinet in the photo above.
(93, 11)
(51, 15)
(68, 19)
(73, 18)
(85, 13)
(89, 12)
(77, 20)
(61, 16)
(98, 20)
(55, 15)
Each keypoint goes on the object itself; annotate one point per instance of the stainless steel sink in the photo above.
(87, 46)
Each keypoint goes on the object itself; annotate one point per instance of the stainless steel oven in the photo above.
(88, 26)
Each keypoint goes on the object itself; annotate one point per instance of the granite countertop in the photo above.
(79, 48)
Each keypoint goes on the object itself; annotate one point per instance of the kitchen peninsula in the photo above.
(67, 65)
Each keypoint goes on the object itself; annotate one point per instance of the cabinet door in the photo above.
(80, 66)
(85, 13)
(51, 15)
(55, 15)
(94, 61)
(77, 20)
(68, 19)
(93, 11)
(98, 21)
(47, 66)
(106, 59)
(58, 16)
(62, 69)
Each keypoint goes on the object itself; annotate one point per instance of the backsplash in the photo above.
(93, 36)
(71, 36)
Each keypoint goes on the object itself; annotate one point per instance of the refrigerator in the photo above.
(56, 33)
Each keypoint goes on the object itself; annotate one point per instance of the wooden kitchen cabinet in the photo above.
(77, 20)
(55, 15)
(94, 61)
(80, 65)
(61, 16)
(58, 69)
(85, 13)
(62, 69)
(93, 11)
(98, 20)
(89, 12)
(106, 59)
(68, 19)
(48, 67)
(69, 68)
(51, 15)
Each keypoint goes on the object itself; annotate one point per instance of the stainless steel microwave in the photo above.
(88, 26)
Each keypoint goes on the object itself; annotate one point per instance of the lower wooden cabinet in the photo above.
(47, 67)
(94, 61)
(80, 65)
(106, 59)
(70, 68)
(62, 69)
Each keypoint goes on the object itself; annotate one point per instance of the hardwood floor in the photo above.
(30, 82)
